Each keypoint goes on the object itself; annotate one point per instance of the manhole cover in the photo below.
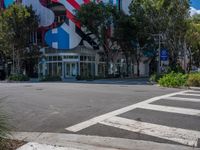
(28, 86)
(140, 91)
(39, 89)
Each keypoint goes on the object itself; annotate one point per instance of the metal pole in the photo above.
(13, 59)
(159, 49)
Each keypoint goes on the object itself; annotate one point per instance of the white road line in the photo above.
(188, 94)
(95, 120)
(193, 91)
(86, 142)
(195, 88)
(183, 136)
(183, 99)
(185, 111)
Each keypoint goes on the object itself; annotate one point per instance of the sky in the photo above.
(195, 7)
(196, 4)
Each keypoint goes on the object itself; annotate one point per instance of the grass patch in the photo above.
(11, 144)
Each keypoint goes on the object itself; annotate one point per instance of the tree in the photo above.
(97, 19)
(166, 18)
(123, 35)
(178, 13)
(17, 24)
(142, 41)
(193, 40)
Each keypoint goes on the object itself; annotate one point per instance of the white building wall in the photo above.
(144, 69)
(125, 4)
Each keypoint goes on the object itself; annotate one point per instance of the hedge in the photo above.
(173, 80)
(50, 78)
(179, 80)
(194, 79)
(18, 77)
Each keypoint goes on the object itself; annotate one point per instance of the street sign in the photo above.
(164, 55)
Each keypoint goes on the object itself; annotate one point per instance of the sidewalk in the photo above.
(60, 141)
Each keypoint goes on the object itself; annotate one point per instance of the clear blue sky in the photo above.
(196, 4)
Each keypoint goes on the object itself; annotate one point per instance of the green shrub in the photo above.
(50, 78)
(173, 80)
(18, 77)
(175, 68)
(194, 79)
(80, 77)
(99, 77)
(155, 77)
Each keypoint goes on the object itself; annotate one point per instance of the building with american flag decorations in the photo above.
(64, 53)
(64, 50)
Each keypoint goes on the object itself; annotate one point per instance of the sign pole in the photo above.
(159, 54)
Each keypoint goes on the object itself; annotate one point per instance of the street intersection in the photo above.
(129, 111)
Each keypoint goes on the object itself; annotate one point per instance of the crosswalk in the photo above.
(183, 136)
(183, 99)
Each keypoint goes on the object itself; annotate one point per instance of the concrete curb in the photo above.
(82, 142)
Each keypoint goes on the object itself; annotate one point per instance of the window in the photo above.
(54, 58)
(59, 58)
(50, 58)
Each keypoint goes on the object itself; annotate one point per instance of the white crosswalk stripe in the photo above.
(183, 99)
(194, 91)
(183, 136)
(185, 111)
(190, 94)
(95, 120)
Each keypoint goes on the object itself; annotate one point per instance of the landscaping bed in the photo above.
(18, 77)
(175, 80)
(11, 144)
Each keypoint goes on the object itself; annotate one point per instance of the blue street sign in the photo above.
(164, 55)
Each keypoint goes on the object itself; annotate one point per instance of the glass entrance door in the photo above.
(70, 69)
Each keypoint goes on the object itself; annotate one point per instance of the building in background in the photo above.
(65, 51)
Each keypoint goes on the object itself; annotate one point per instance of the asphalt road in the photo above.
(53, 107)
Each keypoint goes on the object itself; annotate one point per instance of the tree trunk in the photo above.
(107, 67)
(138, 68)
(127, 72)
(190, 61)
(18, 63)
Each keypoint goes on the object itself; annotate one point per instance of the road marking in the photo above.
(86, 142)
(37, 146)
(169, 109)
(183, 99)
(188, 94)
(193, 91)
(95, 120)
(183, 136)
(195, 88)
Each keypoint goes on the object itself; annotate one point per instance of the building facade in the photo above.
(65, 52)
